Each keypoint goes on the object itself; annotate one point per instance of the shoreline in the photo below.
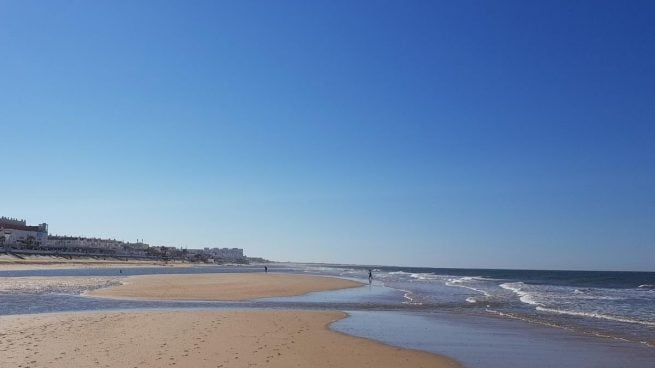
(464, 337)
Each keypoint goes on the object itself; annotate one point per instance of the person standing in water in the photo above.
(370, 277)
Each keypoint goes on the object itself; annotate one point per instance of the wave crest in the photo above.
(596, 315)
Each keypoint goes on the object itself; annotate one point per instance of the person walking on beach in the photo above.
(370, 277)
(265, 269)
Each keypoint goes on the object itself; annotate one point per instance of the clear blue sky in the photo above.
(449, 134)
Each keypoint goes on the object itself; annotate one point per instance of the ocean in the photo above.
(618, 305)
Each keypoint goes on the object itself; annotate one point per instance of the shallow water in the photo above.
(485, 342)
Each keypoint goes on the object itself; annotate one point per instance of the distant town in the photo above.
(20, 239)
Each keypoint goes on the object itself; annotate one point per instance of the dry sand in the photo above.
(195, 339)
(221, 286)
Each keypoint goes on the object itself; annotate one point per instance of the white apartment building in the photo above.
(226, 253)
(95, 243)
(14, 231)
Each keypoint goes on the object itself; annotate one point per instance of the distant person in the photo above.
(370, 277)
(265, 269)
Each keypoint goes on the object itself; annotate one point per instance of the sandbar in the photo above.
(220, 286)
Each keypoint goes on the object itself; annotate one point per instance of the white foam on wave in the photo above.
(424, 276)
(459, 282)
(408, 298)
(646, 286)
(596, 315)
(398, 273)
(524, 296)
(471, 300)
(592, 294)
(461, 279)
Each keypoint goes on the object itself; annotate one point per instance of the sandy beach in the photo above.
(246, 338)
(195, 339)
(220, 286)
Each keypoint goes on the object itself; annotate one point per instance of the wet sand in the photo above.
(195, 339)
(223, 286)
(64, 284)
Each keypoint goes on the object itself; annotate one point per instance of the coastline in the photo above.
(467, 334)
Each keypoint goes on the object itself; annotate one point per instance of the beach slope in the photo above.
(195, 339)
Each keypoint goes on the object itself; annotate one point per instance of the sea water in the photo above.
(483, 342)
(619, 305)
